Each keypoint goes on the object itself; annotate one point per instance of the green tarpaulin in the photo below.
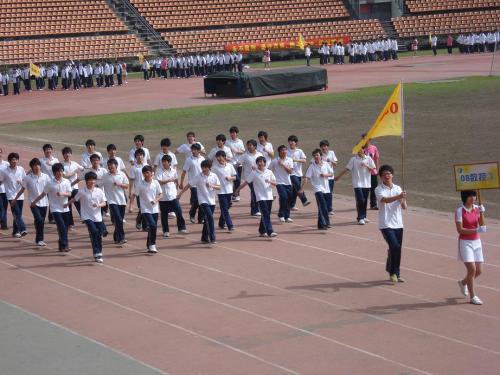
(266, 82)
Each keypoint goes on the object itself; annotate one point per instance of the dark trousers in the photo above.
(77, 206)
(284, 195)
(265, 225)
(152, 223)
(146, 75)
(329, 196)
(117, 213)
(373, 197)
(62, 223)
(254, 207)
(3, 209)
(171, 206)
(434, 50)
(96, 228)
(394, 238)
(193, 200)
(308, 60)
(5, 90)
(17, 217)
(323, 218)
(361, 195)
(16, 87)
(119, 79)
(450, 50)
(39, 214)
(139, 219)
(208, 232)
(296, 182)
(225, 217)
(237, 182)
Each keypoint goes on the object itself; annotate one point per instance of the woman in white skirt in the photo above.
(469, 244)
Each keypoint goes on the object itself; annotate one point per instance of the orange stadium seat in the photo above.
(421, 6)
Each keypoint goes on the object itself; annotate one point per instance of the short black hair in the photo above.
(190, 133)
(47, 146)
(221, 137)
(293, 138)
(165, 142)
(260, 158)
(252, 142)
(206, 164)
(94, 157)
(196, 146)
(234, 129)
(262, 133)
(281, 147)
(465, 194)
(57, 167)
(67, 150)
(110, 147)
(147, 168)
(139, 137)
(139, 151)
(90, 142)
(35, 161)
(90, 176)
(316, 151)
(220, 153)
(385, 168)
(324, 142)
(166, 158)
(13, 155)
(112, 161)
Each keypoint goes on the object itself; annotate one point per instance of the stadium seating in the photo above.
(216, 39)
(420, 6)
(20, 18)
(74, 48)
(447, 23)
(175, 14)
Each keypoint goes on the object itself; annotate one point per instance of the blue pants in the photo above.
(225, 217)
(152, 223)
(17, 216)
(265, 225)
(237, 182)
(329, 196)
(39, 214)
(3, 209)
(254, 207)
(139, 220)
(77, 206)
(296, 182)
(361, 195)
(322, 201)
(193, 200)
(171, 206)
(394, 238)
(62, 223)
(95, 232)
(285, 195)
(117, 213)
(208, 233)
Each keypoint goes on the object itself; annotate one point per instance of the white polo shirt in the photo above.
(192, 166)
(56, 202)
(389, 214)
(185, 148)
(136, 176)
(35, 186)
(361, 176)
(330, 158)
(100, 172)
(319, 184)
(248, 163)
(47, 165)
(89, 198)
(263, 190)
(160, 155)
(121, 165)
(296, 154)
(86, 159)
(131, 154)
(3, 164)
(12, 180)
(282, 176)
(115, 194)
(148, 192)
(265, 150)
(226, 149)
(236, 146)
(169, 189)
(223, 171)
(72, 168)
(205, 194)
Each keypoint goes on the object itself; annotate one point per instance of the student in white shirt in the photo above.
(265, 147)
(149, 193)
(185, 148)
(4, 203)
(165, 144)
(221, 141)
(206, 184)
(71, 171)
(249, 164)
(34, 183)
(168, 179)
(136, 177)
(299, 158)
(92, 199)
(263, 181)
(282, 167)
(115, 184)
(139, 144)
(192, 167)
(329, 157)
(227, 174)
(112, 154)
(58, 190)
(318, 173)
(48, 160)
(360, 167)
(238, 149)
(90, 145)
(391, 199)
(11, 177)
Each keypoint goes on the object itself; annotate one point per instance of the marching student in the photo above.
(95, 161)
(282, 167)
(92, 200)
(58, 190)
(71, 171)
(227, 174)
(185, 148)
(139, 144)
(329, 157)
(265, 147)
(4, 203)
(360, 167)
(168, 179)
(391, 199)
(238, 149)
(90, 146)
(165, 144)
(192, 167)
(11, 177)
(372, 151)
(470, 250)
(318, 173)
(249, 163)
(149, 193)
(205, 184)
(116, 184)
(35, 183)
(298, 157)
(263, 181)
(5, 83)
(112, 154)
(136, 176)
(221, 146)
(48, 159)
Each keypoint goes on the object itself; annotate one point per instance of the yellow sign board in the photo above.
(477, 176)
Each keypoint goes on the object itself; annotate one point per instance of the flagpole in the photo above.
(402, 136)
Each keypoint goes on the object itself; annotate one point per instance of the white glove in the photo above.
(482, 209)
(481, 229)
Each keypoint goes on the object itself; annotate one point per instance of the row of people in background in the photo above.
(476, 43)
(71, 75)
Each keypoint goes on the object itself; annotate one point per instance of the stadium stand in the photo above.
(420, 6)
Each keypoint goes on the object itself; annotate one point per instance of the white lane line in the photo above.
(36, 316)
(143, 314)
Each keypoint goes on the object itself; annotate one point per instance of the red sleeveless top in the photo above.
(470, 220)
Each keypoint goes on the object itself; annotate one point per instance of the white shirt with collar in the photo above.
(115, 194)
(88, 198)
(248, 163)
(265, 150)
(35, 185)
(136, 176)
(3, 164)
(359, 167)
(314, 171)
(131, 154)
(185, 148)
(282, 176)
(100, 172)
(222, 172)
(54, 187)
(236, 146)
(226, 149)
(148, 192)
(157, 162)
(263, 190)
(47, 165)
(72, 168)
(330, 158)
(121, 165)
(296, 154)
(389, 214)
(12, 179)
(206, 195)
(192, 166)
(86, 158)
(169, 189)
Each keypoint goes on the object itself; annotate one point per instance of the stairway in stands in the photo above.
(140, 26)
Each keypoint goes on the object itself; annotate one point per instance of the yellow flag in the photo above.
(301, 43)
(141, 58)
(430, 39)
(389, 121)
(34, 70)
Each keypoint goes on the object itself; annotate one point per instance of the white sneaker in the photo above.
(17, 235)
(124, 221)
(361, 222)
(367, 220)
(274, 234)
(294, 208)
(257, 214)
(236, 199)
(171, 214)
(476, 301)
(98, 259)
(463, 288)
(282, 219)
(289, 220)
(184, 231)
(152, 249)
(41, 243)
(166, 234)
(330, 213)
(107, 214)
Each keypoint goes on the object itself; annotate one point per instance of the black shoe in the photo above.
(105, 233)
(138, 226)
(24, 233)
(52, 221)
(374, 208)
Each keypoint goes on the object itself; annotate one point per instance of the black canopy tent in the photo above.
(266, 82)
